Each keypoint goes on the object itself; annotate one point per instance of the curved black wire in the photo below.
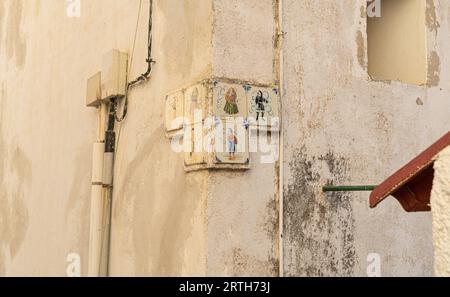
(146, 75)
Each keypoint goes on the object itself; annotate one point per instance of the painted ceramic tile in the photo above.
(234, 149)
(263, 106)
(174, 111)
(194, 103)
(196, 155)
(229, 100)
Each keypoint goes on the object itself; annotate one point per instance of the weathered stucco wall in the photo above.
(340, 127)
(243, 206)
(440, 205)
(159, 213)
(47, 134)
(164, 221)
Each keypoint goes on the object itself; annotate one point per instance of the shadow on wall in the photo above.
(147, 234)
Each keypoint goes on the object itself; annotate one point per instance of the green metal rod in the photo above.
(366, 188)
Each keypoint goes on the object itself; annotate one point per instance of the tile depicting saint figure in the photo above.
(263, 106)
(196, 154)
(235, 149)
(195, 100)
(174, 111)
(229, 100)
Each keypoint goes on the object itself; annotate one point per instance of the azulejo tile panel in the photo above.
(225, 111)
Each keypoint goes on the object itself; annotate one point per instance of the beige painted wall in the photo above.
(159, 211)
(46, 135)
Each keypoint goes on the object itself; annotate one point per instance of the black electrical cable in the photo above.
(149, 60)
(145, 76)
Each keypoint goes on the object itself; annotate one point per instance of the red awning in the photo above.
(411, 185)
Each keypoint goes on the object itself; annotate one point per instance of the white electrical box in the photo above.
(114, 74)
(94, 91)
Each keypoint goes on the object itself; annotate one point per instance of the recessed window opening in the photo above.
(397, 43)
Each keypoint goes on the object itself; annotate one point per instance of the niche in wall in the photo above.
(397, 42)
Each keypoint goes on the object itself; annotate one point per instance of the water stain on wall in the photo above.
(133, 206)
(361, 50)
(434, 69)
(363, 11)
(13, 210)
(124, 204)
(16, 46)
(77, 208)
(240, 262)
(318, 230)
(431, 18)
(271, 228)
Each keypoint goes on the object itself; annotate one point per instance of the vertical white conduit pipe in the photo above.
(97, 196)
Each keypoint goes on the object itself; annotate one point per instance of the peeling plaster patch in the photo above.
(361, 53)
(318, 230)
(363, 10)
(16, 46)
(434, 69)
(431, 18)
